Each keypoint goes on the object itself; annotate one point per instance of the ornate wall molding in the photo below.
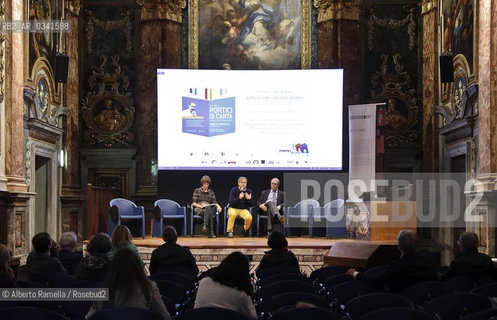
(125, 24)
(393, 24)
(338, 10)
(162, 10)
(73, 6)
(108, 108)
(2, 53)
(428, 5)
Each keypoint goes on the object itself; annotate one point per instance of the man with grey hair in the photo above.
(272, 204)
(67, 255)
(411, 268)
(469, 261)
(240, 201)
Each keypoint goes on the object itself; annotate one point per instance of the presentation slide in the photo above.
(250, 119)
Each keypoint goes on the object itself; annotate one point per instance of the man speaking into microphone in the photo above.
(240, 201)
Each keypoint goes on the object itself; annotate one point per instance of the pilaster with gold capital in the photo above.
(428, 5)
(162, 10)
(338, 9)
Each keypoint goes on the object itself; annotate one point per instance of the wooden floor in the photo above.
(202, 242)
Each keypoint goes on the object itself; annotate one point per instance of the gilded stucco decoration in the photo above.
(428, 5)
(393, 24)
(390, 84)
(108, 108)
(41, 102)
(2, 53)
(162, 10)
(460, 96)
(338, 10)
(124, 23)
(73, 6)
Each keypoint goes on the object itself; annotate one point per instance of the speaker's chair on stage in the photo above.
(122, 209)
(238, 220)
(167, 209)
(299, 215)
(331, 217)
(198, 219)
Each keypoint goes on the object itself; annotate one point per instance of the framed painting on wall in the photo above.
(457, 30)
(249, 34)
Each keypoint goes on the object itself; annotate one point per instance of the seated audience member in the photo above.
(129, 287)
(469, 261)
(68, 257)
(40, 260)
(121, 237)
(96, 265)
(228, 287)
(7, 277)
(272, 204)
(411, 268)
(279, 255)
(205, 204)
(240, 200)
(171, 254)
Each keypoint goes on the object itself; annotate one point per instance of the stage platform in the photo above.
(310, 252)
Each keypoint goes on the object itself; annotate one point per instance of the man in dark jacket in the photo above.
(42, 259)
(96, 266)
(411, 268)
(279, 255)
(469, 261)
(171, 254)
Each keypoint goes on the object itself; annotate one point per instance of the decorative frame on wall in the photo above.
(117, 179)
(270, 34)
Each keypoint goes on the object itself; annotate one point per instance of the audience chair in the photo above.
(181, 279)
(171, 308)
(273, 304)
(331, 217)
(334, 280)
(281, 277)
(467, 282)
(53, 280)
(457, 305)
(267, 272)
(376, 271)
(423, 292)
(482, 315)
(238, 220)
(8, 304)
(280, 287)
(198, 219)
(165, 209)
(122, 209)
(359, 306)
(299, 216)
(124, 314)
(183, 270)
(172, 290)
(489, 290)
(321, 274)
(305, 313)
(398, 313)
(211, 314)
(345, 291)
(16, 313)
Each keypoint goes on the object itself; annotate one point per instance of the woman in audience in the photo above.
(6, 273)
(228, 287)
(129, 287)
(96, 265)
(279, 255)
(121, 238)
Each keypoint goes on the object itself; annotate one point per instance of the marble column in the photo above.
(339, 42)
(70, 175)
(14, 79)
(430, 85)
(160, 33)
(486, 74)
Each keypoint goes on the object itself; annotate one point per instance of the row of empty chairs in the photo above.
(306, 214)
